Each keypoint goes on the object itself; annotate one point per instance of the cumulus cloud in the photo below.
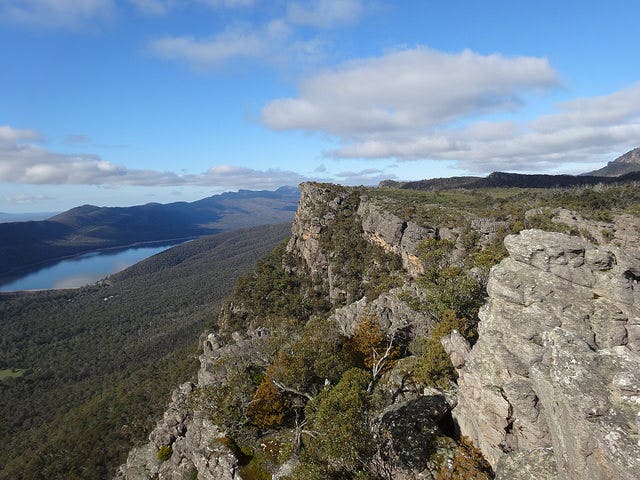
(55, 13)
(277, 41)
(408, 90)
(367, 176)
(421, 104)
(585, 131)
(324, 13)
(23, 161)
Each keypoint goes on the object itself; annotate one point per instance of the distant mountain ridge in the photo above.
(26, 245)
(627, 163)
(510, 180)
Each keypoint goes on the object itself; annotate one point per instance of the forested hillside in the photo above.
(86, 371)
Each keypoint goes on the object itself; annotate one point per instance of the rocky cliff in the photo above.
(552, 385)
(350, 315)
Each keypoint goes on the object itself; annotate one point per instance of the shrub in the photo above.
(342, 441)
(269, 406)
(451, 289)
(433, 366)
(164, 453)
(369, 343)
(317, 356)
(468, 464)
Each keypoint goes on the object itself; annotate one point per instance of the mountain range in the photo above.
(625, 168)
(28, 245)
(627, 163)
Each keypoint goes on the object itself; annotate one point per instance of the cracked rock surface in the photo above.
(556, 368)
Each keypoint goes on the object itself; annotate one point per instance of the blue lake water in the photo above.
(84, 269)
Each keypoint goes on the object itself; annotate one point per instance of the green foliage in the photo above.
(193, 475)
(342, 443)
(226, 402)
(597, 202)
(164, 453)
(434, 254)
(316, 356)
(271, 291)
(359, 266)
(11, 373)
(432, 365)
(451, 289)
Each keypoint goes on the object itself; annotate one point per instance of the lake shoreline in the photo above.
(35, 268)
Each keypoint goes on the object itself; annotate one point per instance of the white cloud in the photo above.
(421, 104)
(368, 176)
(23, 161)
(324, 13)
(210, 52)
(272, 43)
(587, 131)
(55, 13)
(10, 135)
(162, 7)
(24, 199)
(408, 90)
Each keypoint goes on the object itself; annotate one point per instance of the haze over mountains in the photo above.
(25, 245)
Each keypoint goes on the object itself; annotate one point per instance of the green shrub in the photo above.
(164, 453)
(432, 365)
(342, 442)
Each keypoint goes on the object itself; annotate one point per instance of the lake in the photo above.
(84, 269)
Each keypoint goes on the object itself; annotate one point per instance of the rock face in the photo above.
(627, 163)
(394, 235)
(557, 363)
(195, 442)
(413, 434)
(392, 312)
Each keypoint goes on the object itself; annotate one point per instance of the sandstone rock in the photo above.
(142, 464)
(538, 464)
(457, 347)
(413, 437)
(394, 234)
(556, 359)
(395, 316)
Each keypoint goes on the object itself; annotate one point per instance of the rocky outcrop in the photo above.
(196, 446)
(622, 231)
(318, 207)
(627, 163)
(390, 309)
(413, 437)
(394, 235)
(557, 362)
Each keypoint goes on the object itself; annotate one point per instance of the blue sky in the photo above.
(122, 102)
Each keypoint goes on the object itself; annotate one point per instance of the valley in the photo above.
(97, 363)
